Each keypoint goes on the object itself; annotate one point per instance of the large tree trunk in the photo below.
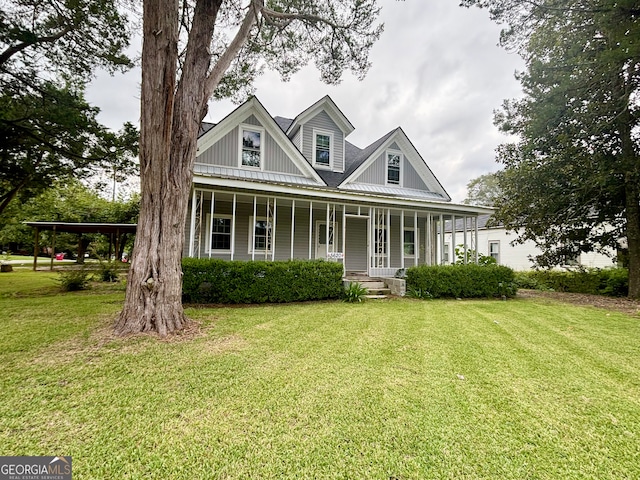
(171, 117)
(632, 195)
(153, 299)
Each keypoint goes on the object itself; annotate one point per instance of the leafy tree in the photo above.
(571, 182)
(65, 201)
(188, 57)
(48, 50)
(483, 190)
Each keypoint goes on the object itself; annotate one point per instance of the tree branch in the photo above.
(12, 50)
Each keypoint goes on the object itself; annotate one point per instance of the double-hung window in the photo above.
(494, 250)
(322, 148)
(394, 164)
(221, 233)
(409, 243)
(251, 141)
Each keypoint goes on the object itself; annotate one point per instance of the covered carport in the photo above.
(109, 229)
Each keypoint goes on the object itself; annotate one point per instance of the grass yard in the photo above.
(401, 389)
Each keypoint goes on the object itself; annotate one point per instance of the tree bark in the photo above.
(632, 199)
(171, 117)
(153, 300)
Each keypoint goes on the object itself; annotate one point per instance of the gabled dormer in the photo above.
(393, 166)
(249, 144)
(319, 132)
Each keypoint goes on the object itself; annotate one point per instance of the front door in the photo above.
(321, 240)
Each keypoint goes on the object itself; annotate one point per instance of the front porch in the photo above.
(373, 237)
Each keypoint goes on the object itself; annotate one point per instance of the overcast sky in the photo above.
(436, 71)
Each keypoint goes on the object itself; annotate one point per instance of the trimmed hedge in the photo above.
(222, 281)
(462, 281)
(613, 282)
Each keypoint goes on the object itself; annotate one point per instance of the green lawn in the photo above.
(402, 389)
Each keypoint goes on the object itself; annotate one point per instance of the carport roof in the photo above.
(76, 227)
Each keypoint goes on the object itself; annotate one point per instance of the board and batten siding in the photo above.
(322, 121)
(225, 152)
(244, 212)
(376, 173)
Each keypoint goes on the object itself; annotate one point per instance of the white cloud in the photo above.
(436, 71)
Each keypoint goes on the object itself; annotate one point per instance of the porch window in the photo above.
(394, 159)
(251, 147)
(262, 235)
(494, 250)
(221, 233)
(445, 257)
(322, 148)
(409, 243)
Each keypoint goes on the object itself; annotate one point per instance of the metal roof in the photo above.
(257, 175)
(77, 227)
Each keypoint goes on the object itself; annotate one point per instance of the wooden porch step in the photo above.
(376, 288)
(376, 297)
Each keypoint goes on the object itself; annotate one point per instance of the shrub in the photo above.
(109, 271)
(462, 281)
(354, 292)
(72, 280)
(609, 281)
(418, 293)
(222, 281)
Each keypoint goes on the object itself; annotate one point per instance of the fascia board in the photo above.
(328, 105)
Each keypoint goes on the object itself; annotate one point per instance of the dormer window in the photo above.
(322, 144)
(251, 141)
(394, 164)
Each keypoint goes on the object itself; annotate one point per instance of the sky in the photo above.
(436, 71)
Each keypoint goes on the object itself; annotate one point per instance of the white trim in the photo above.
(340, 196)
(387, 153)
(327, 105)
(255, 129)
(326, 133)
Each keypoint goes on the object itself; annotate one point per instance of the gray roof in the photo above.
(354, 157)
(252, 174)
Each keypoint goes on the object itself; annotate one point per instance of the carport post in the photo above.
(35, 249)
(53, 247)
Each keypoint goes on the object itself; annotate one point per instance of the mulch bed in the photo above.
(616, 304)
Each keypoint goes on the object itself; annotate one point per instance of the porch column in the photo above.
(193, 223)
(369, 239)
(452, 258)
(441, 239)
(310, 227)
(388, 238)
(293, 225)
(464, 233)
(402, 239)
(344, 239)
(252, 237)
(428, 256)
(416, 239)
(211, 211)
(328, 226)
(233, 227)
(476, 235)
(273, 228)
